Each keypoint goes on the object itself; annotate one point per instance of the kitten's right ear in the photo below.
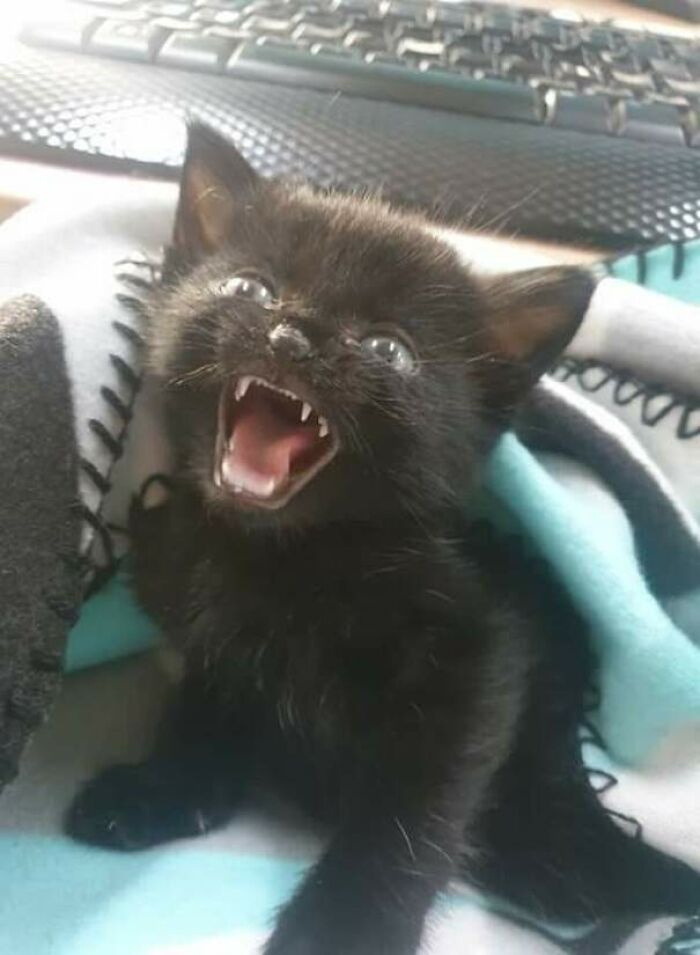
(216, 182)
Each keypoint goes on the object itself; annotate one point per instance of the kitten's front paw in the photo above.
(134, 807)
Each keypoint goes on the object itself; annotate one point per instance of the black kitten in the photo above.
(335, 378)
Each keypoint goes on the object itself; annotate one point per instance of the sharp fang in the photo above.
(305, 410)
(242, 386)
(268, 489)
(322, 427)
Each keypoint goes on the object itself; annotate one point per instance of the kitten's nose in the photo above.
(290, 341)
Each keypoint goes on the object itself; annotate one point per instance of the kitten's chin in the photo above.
(271, 442)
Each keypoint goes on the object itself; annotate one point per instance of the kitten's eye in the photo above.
(250, 287)
(392, 351)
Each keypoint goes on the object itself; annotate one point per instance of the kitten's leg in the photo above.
(370, 892)
(553, 850)
(398, 845)
(190, 783)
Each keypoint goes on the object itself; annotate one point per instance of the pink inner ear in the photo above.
(532, 315)
(205, 212)
(526, 330)
(215, 181)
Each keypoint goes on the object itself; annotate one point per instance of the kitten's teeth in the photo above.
(305, 410)
(268, 488)
(322, 427)
(242, 386)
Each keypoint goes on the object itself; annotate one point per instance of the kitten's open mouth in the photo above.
(271, 442)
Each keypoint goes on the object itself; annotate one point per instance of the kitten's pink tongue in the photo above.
(262, 449)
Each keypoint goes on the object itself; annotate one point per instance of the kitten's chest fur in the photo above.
(328, 631)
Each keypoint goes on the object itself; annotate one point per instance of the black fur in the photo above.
(393, 668)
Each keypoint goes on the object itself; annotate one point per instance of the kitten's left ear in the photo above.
(215, 185)
(532, 316)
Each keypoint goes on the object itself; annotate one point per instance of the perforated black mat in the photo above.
(547, 183)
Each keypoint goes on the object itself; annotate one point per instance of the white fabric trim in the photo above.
(665, 332)
(65, 255)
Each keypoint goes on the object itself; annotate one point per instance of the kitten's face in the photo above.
(327, 358)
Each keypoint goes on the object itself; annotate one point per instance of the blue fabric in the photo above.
(658, 268)
(111, 625)
(650, 673)
(97, 902)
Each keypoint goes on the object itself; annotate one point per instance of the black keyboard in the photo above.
(490, 116)
(472, 58)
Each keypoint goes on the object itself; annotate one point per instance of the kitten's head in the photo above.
(327, 357)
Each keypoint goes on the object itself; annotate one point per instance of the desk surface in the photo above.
(22, 182)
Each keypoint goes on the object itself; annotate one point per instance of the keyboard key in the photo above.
(692, 64)
(239, 5)
(229, 33)
(470, 60)
(263, 25)
(575, 73)
(406, 10)
(166, 8)
(549, 31)
(498, 21)
(133, 14)
(196, 52)
(637, 82)
(213, 17)
(358, 7)
(646, 48)
(471, 39)
(325, 19)
(419, 34)
(255, 60)
(420, 48)
(375, 25)
(450, 18)
(520, 48)
(519, 67)
(342, 52)
(133, 41)
(619, 60)
(679, 48)
(272, 9)
(665, 69)
(687, 88)
(312, 31)
(366, 42)
(662, 119)
(286, 44)
(114, 4)
(578, 111)
(172, 23)
(596, 38)
(385, 59)
(65, 34)
(478, 42)
(690, 124)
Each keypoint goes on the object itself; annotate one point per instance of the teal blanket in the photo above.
(611, 499)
